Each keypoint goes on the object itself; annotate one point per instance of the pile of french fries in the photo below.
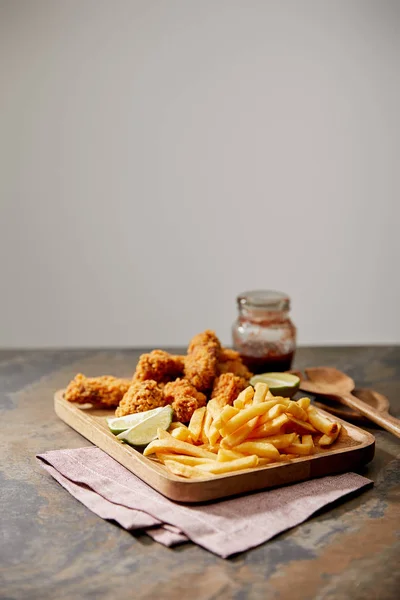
(259, 429)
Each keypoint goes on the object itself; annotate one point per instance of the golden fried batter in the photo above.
(159, 366)
(230, 362)
(141, 396)
(105, 391)
(202, 359)
(184, 399)
(227, 387)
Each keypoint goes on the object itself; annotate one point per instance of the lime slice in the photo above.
(145, 432)
(120, 424)
(280, 384)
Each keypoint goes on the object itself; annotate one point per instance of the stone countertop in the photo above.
(52, 547)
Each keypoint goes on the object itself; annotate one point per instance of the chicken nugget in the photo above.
(228, 354)
(159, 366)
(184, 399)
(105, 391)
(230, 362)
(202, 360)
(141, 396)
(227, 387)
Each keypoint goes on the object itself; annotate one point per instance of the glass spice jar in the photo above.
(263, 333)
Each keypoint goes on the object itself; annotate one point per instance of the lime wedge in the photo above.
(145, 432)
(280, 384)
(120, 424)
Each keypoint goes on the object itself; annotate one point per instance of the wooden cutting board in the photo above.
(353, 448)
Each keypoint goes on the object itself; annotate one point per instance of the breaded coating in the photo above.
(202, 359)
(184, 399)
(228, 354)
(159, 366)
(141, 396)
(230, 362)
(103, 392)
(227, 387)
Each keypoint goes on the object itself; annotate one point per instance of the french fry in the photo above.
(270, 428)
(178, 468)
(210, 448)
(170, 444)
(262, 460)
(287, 457)
(213, 434)
(245, 397)
(294, 409)
(327, 440)
(275, 411)
(239, 435)
(304, 403)
(184, 459)
(206, 428)
(246, 414)
(182, 433)
(307, 440)
(248, 395)
(261, 390)
(238, 403)
(271, 404)
(196, 423)
(305, 448)
(262, 449)
(281, 441)
(225, 454)
(175, 425)
(214, 409)
(226, 413)
(281, 400)
(248, 462)
(321, 423)
(301, 427)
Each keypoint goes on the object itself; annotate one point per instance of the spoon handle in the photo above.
(384, 420)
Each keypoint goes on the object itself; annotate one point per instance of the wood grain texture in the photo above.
(354, 448)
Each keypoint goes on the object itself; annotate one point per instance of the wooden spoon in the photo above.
(327, 381)
(371, 397)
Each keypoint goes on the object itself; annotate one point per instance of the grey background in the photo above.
(159, 157)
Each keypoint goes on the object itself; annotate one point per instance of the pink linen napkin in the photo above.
(128, 518)
(223, 527)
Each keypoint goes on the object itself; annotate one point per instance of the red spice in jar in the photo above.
(263, 333)
(268, 363)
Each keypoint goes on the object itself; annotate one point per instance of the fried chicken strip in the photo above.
(159, 366)
(184, 399)
(227, 387)
(230, 362)
(202, 360)
(103, 392)
(141, 396)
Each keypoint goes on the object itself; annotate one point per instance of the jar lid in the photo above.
(269, 300)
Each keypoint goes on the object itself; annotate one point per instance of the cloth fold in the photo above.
(223, 527)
